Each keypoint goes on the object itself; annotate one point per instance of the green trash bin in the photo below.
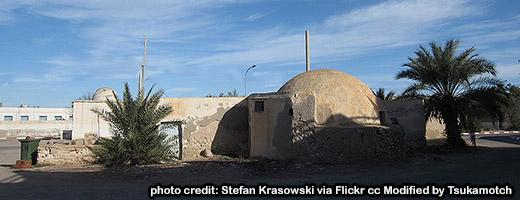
(29, 150)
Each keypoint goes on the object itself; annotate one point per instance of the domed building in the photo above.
(326, 115)
(340, 98)
(104, 93)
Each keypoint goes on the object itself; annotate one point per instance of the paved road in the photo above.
(10, 152)
(498, 164)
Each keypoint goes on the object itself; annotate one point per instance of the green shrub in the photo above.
(136, 136)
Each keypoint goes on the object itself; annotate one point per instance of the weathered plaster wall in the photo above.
(270, 129)
(85, 121)
(215, 124)
(340, 98)
(287, 130)
(410, 115)
(34, 128)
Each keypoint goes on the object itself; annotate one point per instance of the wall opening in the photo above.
(382, 118)
(394, 121)
(174, 131)
(259, 106)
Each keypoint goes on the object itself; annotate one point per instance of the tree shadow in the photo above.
(232, 136)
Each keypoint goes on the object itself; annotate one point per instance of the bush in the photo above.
(136, 136)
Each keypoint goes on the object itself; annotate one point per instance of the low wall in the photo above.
(348, 145)
(54, 154)
(34, 128)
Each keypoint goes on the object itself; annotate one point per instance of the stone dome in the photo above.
(340, 98)
(103, 93)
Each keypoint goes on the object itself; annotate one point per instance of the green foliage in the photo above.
(513, 109)
(453, 86)
(136, 136)
(86, 96)
(381, 93)
(233, 93)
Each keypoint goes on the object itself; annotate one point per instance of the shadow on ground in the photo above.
(487, 167)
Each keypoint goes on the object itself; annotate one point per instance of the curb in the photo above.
(38, 138)
(492, 132)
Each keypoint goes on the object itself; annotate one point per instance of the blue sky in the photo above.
(55, 51)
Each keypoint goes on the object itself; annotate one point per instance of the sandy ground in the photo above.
(496, 162)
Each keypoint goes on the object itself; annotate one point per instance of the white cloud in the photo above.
(403, 13)
(256, 16)
(384, 26)
(115, 29)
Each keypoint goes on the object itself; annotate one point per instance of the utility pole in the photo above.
(143, 69)
(307, 58)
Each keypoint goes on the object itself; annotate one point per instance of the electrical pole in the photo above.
(143, 69)
(307, 58)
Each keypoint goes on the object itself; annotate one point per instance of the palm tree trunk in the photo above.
(453, 130)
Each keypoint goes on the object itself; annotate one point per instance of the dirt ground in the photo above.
(497, 161)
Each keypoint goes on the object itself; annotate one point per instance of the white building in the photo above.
(33, 121)
(35, 114)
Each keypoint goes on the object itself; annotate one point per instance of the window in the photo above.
(394, 121)
(259, 106)
(170, 128)
(43, 118)
(8, 118)
(58, 118)
(70, 117)
(24, 118)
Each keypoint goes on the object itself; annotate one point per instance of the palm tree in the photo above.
(136, 135)
(381, 93)
(448, 83)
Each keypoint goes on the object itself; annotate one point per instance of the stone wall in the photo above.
(349, 144)
(59, 154)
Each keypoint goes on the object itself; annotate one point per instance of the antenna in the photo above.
(143, 68)
(307, 58)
